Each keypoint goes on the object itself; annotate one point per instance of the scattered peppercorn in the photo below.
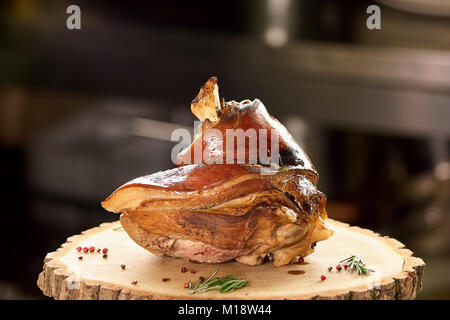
(165, 279)
(186, 285)
(92, 249)
(134, 282)
(79, 249)
(80, 258)
(105, 256)
(322, 277)
(85, 249)
(98, 250)
(345, 266)
(122, 266)
(338, 267)
(330, 268)
(183, 270)
(301, 260)
(105, 250)
(201, 278)
(193, 271)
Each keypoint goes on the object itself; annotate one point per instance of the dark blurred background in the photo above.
(83, 111)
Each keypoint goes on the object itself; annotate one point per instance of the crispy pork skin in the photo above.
(241, 116)
(212, 213)
(229, 210)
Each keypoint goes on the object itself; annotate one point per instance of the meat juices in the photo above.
(213, 213)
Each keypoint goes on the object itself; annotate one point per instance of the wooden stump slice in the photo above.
(398, 275)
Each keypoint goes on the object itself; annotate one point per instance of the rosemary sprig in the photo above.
(224, 285)
(355, 262)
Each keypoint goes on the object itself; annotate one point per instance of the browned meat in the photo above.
(219, 212)
(176, 247)
(244, 115)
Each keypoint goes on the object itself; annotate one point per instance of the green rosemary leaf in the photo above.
(215, 281)
(196, 285)
(355, 262)
(233, 285)
(224, 285)
(227, 286)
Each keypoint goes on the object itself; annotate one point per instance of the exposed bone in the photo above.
(206, 105)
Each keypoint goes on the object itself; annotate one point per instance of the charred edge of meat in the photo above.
(292, 199)
(288, 157)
